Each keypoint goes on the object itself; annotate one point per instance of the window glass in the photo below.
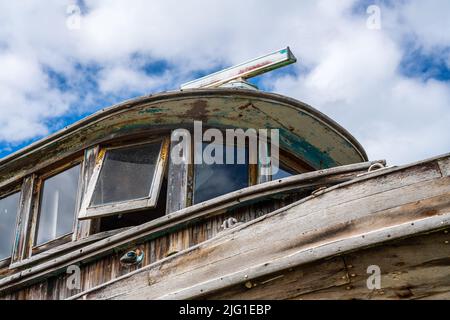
(213, 180)
(283, 172)
(126, 174)
(58, 202)
(8, 214)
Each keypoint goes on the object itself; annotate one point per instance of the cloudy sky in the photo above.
(386, 80)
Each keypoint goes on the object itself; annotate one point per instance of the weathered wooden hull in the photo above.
(291, 246)
(319, 247)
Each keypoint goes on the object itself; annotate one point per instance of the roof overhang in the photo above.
(304, 131)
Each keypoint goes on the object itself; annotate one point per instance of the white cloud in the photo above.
(353, 73)
(121, 79)
(26, 100)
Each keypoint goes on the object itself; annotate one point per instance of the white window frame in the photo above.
(122, 207)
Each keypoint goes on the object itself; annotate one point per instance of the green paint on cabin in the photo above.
(299, 146)
(151, 110)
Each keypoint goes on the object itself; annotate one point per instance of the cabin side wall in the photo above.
(109, 267)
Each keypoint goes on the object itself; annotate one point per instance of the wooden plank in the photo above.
(295, 235)
(290, 283)
(178, 183)
(45, 255)
(23, 220)
(413, 268)
(189, 277)
(188, 215)
(444, 165)
(85, 227)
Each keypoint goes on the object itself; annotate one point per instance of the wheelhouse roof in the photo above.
(304, 131)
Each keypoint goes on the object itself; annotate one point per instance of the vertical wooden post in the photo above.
(23, 220)
(179, 180)
(86, 227)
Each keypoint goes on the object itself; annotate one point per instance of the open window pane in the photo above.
(126, 174)
(58, 204)
(213, 180)
(8, 214)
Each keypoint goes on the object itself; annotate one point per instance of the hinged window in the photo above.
(126, 179)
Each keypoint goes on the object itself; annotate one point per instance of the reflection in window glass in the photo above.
(213, 180)
(283, 172)
(8, 214)
(126, 174)
(59, 197)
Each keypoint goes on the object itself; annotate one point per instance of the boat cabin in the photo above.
(102, 198)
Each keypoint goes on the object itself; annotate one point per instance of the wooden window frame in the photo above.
(37, 201)
(4, 193)
(122, 207)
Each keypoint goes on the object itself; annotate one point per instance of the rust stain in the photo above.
(245, 106)
(198, 110)
(256, 66)
(429, 213)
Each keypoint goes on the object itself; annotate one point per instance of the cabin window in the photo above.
(126, 179)
(283, 172)
(289, 165)
(213, 180)
(58, 205)
(8, 214)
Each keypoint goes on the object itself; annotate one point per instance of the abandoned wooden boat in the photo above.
(100, 211)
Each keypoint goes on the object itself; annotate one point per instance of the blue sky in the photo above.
(389, 86)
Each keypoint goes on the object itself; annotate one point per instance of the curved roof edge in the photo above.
(188, 93)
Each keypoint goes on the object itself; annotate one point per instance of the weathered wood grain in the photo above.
(23, 220)
(186, 216)
(85, 227)
(47, 254)
(444, 165)
(359, 214)
(177, 110)
(412, 268)
(178, 181)
(104, 269)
